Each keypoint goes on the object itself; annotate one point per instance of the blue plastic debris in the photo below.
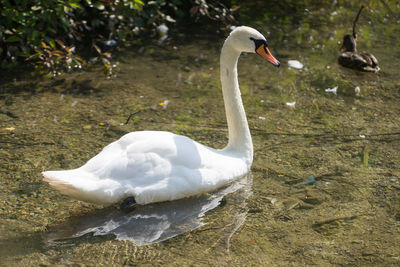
(311, 180)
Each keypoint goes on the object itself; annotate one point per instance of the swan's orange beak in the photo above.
(263, 51)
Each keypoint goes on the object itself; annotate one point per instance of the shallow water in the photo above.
(152, 223)
(325, 178)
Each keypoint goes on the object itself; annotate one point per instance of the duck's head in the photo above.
(246, 39)
(349, 43)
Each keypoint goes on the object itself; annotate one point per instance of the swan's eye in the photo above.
(259, 42)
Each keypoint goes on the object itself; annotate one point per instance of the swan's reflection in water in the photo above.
(156, 222)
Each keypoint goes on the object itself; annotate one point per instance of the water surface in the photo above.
(325, 178)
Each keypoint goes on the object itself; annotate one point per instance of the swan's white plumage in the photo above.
(155, 166)
(151, 166)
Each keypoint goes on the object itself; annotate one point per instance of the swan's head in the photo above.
(246, 39)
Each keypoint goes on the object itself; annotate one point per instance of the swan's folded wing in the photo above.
(150, 166)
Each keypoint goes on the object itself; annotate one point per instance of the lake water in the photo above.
(325, 183)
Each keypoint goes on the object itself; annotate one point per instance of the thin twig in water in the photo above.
(387, 7)
(355, 22)
(396, 186)
(131, 115)
(333, 219)
(223, 128)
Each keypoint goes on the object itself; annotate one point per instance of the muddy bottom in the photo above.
(325, 182)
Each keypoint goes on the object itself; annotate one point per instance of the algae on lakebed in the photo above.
(317, 199)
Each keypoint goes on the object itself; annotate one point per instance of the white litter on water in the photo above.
(163, 31)
(262, 118)
(110, 42)
(357, 90)
(295, 64)
(291, 104)
(165, 103)
(332, 90)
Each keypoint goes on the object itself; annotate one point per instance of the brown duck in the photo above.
(351, 58)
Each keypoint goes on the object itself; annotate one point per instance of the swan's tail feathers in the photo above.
(55, 180)
(77, 184)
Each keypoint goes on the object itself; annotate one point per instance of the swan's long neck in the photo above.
(239, 133)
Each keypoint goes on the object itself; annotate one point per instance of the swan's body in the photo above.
(153, 166)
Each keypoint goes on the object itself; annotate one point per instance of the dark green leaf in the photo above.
(13, 39)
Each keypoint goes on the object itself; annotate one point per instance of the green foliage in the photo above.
(56, 59)
(26, 25)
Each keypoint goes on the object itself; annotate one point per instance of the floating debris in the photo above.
(332, 90)
(365, 155)
(163, 31)
(190, 78)
(357, 90)
(110, 42)
(10, 128)
(291, 104)
(295, 64)
(164, 104)
(179, 79)
(311, 180)
(261, 118)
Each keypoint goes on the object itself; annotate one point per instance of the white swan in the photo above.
(155, 166)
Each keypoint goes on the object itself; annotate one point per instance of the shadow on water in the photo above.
(148, 224)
